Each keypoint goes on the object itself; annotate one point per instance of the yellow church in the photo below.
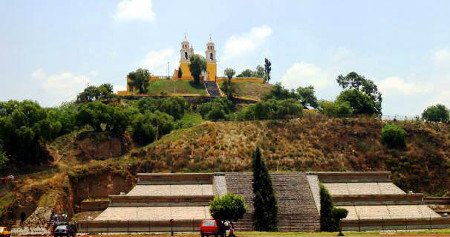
(184, 73)
(186, 52)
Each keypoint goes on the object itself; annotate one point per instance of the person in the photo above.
(231, 234)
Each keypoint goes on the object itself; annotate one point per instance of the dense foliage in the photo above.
(150, 126)
(264, 202)
(139, 80)
(197, 66)
(102, 117)
(271, 109)
(215, 110)
(24, 127)
(336, 109)
(93, 93)
(367, 87)
(3, 160)
(393, 136)
(330, 216)
(229, 207)
(175, 106)
(359, 102)
(436, 113)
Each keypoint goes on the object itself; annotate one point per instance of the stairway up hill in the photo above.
(297, 210)
(212, 88)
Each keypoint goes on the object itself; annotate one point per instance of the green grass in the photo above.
(159, 87)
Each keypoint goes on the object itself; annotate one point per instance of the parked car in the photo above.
(4, 232)
(212, 227)
(64, 230)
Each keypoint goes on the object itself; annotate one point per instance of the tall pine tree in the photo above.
(264, 202)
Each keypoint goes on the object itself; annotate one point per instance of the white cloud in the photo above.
(156, 61)
(60, 87)
(396, 85)
(305, 74)
(442, 57)
(132, 10)
(117, 88)
(238, 45)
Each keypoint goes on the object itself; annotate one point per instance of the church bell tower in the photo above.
(186, 52)
(211, 63)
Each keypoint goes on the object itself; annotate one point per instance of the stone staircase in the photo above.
(212, 88)
(296, 207)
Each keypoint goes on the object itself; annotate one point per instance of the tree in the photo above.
(24, 128)
(260, 72)
(393, 136)
(216, 109)
(329, 215)
(264, 202)
(229, 72)
(278, 92)
(306, 96)
(359, 102)
(229, 207)
(103, 117)
(246, 73)
(139, 80)
(267, 69)
(3, 160)
(197, 66)
(361, 84)
(436, 113)
(180, 73)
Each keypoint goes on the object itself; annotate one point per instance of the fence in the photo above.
(396, 224)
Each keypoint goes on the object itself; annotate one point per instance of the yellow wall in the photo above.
(242, 79)
(211, 70)
(185, 71)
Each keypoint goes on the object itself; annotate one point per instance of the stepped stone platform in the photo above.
(178, 202)
(374, 202)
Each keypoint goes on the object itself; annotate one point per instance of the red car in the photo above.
(211, 227)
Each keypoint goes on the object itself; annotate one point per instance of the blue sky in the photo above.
(51, 50)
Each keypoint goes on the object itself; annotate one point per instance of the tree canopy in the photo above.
(358, 101)
(358, 82)
(267, 69)
(436, 113)
(230, 207)
(306, 96)
(139, 80)
(93, 93)
(197, 66)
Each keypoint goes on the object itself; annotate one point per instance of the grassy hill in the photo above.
(313, 143)
(249, 90)
(159, 87)
(317, 143)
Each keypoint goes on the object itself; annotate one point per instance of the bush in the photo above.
(436, 113)
(103, 117)
(149, 126)
(327, 221)
(393, 136)
(336, 109)
(229, 207)
(271, 109)
(174, 106)
(215, 110)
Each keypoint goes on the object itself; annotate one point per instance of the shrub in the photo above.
(393, 136)
(436, 113)
(174, 106)
(271, 109)
(229, 207)
(216, 109)
(102, 117)
(327, 222)
(358, 101)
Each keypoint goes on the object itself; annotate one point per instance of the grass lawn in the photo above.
(175, 87)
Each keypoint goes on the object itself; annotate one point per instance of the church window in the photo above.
(185, 55)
